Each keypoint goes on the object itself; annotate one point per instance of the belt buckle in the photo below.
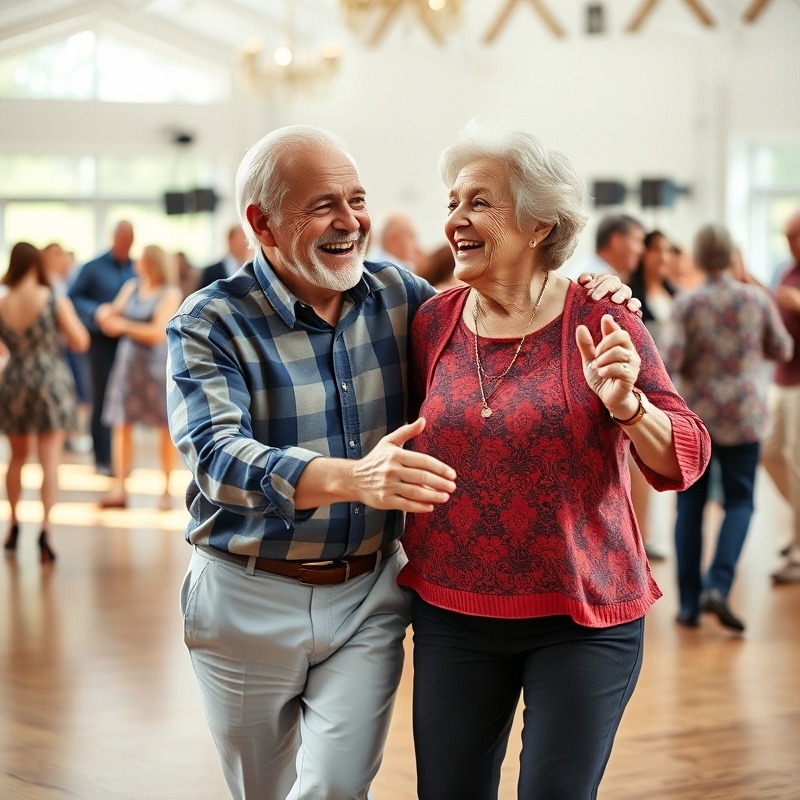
(319, 566)
(311, 567)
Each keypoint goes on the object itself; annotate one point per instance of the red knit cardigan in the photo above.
(556, 532)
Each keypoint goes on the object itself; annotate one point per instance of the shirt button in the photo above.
(356, 510)
(344, 385)
(352, 443)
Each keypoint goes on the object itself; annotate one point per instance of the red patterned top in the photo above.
(541, 522)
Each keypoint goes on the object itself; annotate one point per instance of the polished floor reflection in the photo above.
(99, 700)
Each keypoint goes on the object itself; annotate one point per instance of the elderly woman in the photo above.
(532, 578)
(722, 332)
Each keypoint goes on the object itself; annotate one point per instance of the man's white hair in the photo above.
(259, 179)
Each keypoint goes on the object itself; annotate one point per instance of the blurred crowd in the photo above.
(83, 357)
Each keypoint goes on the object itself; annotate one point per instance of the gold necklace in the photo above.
(492, 382)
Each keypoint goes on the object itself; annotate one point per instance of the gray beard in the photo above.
(341, 280)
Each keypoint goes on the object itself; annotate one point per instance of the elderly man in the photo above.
(780, 452)
(237, 255)
(288, 400)
(97, 282)
(397, 241)
(619, 244)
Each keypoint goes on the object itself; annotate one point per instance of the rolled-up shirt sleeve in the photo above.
(209, 400)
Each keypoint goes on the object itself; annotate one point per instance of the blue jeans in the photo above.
(738, 468)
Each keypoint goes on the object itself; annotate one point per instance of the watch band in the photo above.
(639, 413)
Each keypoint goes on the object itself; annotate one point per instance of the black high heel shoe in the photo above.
(46, 555)
(11, 540)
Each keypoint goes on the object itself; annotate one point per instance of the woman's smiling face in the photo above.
(482, 224)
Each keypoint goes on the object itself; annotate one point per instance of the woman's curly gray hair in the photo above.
(546, 185)
(259, 180)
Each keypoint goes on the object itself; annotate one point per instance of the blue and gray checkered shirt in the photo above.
(259, 385)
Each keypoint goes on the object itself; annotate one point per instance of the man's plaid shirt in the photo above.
(258, 385)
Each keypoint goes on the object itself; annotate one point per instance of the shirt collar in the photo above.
(285, 303)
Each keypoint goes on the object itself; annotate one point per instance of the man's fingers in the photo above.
(635, 305)
(429, 470)
(429, 481)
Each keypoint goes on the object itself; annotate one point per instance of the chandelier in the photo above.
(287, 70)
(375, 17)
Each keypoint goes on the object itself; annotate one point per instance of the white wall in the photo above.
(665, 102)
(675, 100)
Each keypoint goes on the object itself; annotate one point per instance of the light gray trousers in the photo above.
(780, 452)
(297, 682)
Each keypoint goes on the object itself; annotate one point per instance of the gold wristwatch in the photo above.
(640, 412)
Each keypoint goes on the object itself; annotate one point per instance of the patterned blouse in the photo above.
(541, 522)
(722, 332)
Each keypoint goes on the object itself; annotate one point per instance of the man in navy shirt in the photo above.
(98, 282)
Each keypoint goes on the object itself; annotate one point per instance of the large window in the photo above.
(72, 225)
(76, 200)
(88, 66)
(774, 193)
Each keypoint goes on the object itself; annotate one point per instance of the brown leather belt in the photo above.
(319, 573)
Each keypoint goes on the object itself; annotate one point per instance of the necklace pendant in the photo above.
(486, 412)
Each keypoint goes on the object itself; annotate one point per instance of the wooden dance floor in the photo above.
(99, 700)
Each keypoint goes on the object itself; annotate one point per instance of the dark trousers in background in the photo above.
(468, 676)
(738, 469)
(101, 358)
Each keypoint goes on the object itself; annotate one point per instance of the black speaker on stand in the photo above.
(609, 193)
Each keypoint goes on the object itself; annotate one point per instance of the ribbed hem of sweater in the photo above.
(528, 606)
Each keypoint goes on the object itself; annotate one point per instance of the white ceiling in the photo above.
(213, 29)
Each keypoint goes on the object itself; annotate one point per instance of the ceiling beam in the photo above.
(541, 9)
(753, 11)
(648, 5)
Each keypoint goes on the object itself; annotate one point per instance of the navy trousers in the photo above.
(469, 673)
(101, 358)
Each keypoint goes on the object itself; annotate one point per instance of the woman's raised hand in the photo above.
(611, 366)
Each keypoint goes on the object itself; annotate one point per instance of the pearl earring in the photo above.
(532, 243)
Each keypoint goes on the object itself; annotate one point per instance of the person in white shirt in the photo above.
(619, 244)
